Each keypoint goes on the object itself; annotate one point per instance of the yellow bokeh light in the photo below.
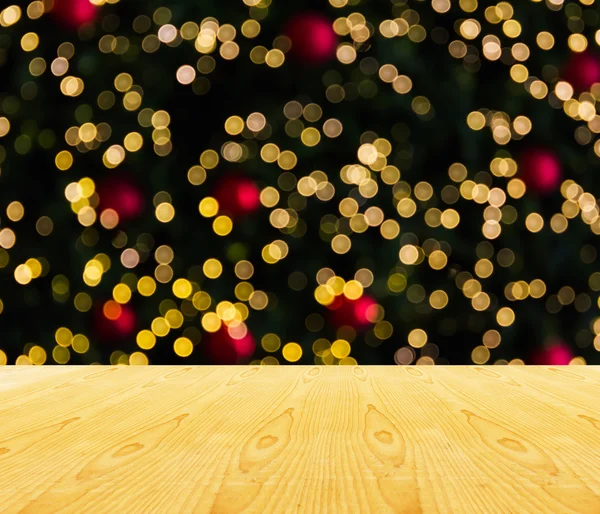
(183, 347)
(438, 299)
(133, 141)
(438, 259)
(23, 274)
(160, 327)
(208, 207)
(138, 359)
(182, 288)
(174, 318)
(222, 225)
(310, 136)
(409, 254)
(121, 293)
(234, 125)
(353, 289)
(534, 222)
(212, 268)
(480, 355)
(146, 286)
(270, 343)
(145, 339)
(476, 120)
(15, 211)
(37, 355)
(209, 159)
(63, 336)
(63, 160)
(274, 58)
(80, 343)
(340, 349)
(61, 355)
(450, 218)
(417, 338)
(341, 244)
(505, 316)
(292, 352)
(211, 322)
(165, 212)
(29, 41)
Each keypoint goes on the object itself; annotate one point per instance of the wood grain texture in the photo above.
(299, 439)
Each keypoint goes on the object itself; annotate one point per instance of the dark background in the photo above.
(422, 150)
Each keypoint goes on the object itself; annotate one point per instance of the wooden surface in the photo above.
(299, 439)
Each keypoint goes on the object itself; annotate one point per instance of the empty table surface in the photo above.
(264, 439)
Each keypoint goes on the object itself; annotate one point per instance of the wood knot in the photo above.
(512, 444)
(250, 372)
(385, 437)
(128, 450)
(266, 442)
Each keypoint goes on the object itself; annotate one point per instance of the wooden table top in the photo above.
(502, 439)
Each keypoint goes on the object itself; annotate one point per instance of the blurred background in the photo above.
(331, 182)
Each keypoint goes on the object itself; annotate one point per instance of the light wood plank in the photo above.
(299, 439)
